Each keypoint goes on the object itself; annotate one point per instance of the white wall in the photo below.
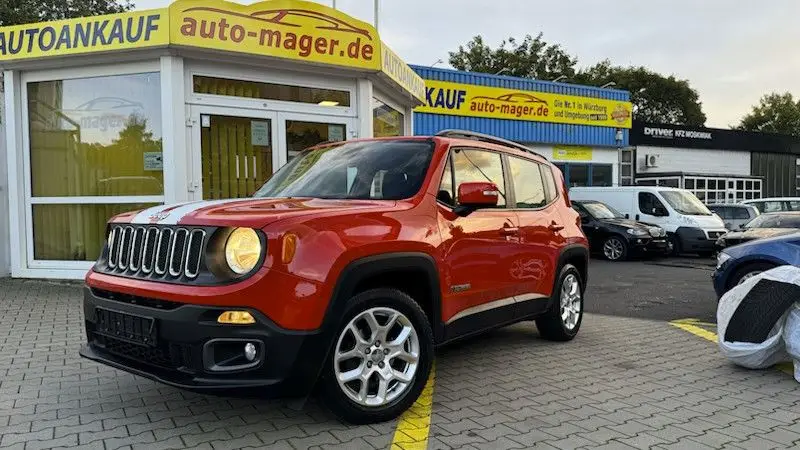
(5, 243)
(726, 162)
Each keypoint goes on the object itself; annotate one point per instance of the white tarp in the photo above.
(773, 350)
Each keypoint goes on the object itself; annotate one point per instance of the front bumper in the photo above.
(182, 341)
(695, 240)
(649, 245)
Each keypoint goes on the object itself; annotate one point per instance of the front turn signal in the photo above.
(236, 318)
(289, 248)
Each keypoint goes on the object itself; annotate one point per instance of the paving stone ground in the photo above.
(622, 383)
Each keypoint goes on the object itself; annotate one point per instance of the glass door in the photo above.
(234, 151)
(300, 131)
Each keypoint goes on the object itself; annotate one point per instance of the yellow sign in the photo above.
(85, 35)
(572, 153)
(397, 70)
(502, 103)
(290, 29)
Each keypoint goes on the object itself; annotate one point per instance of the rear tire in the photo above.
(392, 384)
(563, 319)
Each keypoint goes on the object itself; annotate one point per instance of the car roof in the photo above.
(773, 199)
(730, 205)
(782, 213)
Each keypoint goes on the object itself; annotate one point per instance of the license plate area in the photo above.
(127, 327)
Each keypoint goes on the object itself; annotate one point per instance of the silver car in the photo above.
(734, 215)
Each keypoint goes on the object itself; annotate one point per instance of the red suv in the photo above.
(344, 271)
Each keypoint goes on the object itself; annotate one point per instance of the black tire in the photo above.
(621, 242)
(333, 395)
(674, 245)
(747, 269)
(551, 326)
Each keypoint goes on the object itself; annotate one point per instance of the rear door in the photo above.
(540, 230)
(478, 250)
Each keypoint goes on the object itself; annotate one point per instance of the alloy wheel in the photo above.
(613, 249)
(570, 302)
(376, 357)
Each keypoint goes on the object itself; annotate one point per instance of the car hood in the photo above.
(626, 223)
(250, 212)
(757, 233)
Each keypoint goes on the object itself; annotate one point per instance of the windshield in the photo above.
(388, 170)
(774, 221)
(685, 203)
(602, 211)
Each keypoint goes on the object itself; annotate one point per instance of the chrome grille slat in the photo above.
(155, 252)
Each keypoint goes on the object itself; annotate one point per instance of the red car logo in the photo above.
(514, 97)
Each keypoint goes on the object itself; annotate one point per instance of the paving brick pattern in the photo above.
(623, 383)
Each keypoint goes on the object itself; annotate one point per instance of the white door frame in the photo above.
(350, 124)
(195, 160)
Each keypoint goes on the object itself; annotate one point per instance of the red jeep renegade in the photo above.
(344, 271)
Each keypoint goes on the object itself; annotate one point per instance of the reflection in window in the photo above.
(528, 185)
(578, 175)
(73, 232)
(270, 91)
(302, 135)
(601, 175)
(480, 166)
(96, 136)
(386, 121)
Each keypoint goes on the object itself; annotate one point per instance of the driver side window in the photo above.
(479, 166)
(650, 204)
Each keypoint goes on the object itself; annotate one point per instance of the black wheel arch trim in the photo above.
(569, 252)
(318, 349)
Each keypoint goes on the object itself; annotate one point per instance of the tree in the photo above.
(774, 113)
(532, 58)
(655, 97)
(16, 12)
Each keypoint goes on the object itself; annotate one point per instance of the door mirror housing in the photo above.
(585, 220)
(475, 195)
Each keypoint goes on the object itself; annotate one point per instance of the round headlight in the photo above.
(243, 250)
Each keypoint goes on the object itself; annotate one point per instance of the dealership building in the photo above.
(718, 165)
(201, 100)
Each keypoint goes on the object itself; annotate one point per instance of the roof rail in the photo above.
(464, 134)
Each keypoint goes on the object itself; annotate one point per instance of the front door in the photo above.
(234, 152)
(478, 250)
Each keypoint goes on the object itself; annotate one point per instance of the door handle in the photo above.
(637, 217)
(506, 231)
(555, 227)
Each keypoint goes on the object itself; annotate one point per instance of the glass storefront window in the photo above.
(302, 135)
(602, 175)
(96, 136)
(73, 232)
(270, 91)
(386, 121)
(578, 175)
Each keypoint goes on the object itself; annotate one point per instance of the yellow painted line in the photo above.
(690, 325)
(415, 423)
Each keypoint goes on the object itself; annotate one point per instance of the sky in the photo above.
(732, 51)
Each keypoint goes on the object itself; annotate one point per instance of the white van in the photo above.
(691, 227)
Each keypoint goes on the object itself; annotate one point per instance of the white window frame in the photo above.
(245, 73)
(24, 263)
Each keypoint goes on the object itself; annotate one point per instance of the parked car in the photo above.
(737, 264)
(775, 204)
(344, 270)
(616, 237)
(690, 226)
(765, 225)
(734, 215)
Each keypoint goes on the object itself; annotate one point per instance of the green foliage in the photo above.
(16, 12)
(532, 58)
(774, 113)
(655, 97)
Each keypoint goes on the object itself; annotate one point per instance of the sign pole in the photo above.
(377, 12)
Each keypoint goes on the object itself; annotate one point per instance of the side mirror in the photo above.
(585, 220)
(476, 195)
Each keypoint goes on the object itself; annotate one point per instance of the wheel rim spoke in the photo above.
(351, 375)
(570, 302)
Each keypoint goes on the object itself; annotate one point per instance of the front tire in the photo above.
(563, 319)
(673, 245)
(381, 358)
(615, 248)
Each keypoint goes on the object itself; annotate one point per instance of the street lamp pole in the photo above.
(377, 13)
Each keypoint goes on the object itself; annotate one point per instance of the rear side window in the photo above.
(529, 188)
(550, 189)
(723, 211)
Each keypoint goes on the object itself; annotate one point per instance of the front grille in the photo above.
(168, 356)
(156, 252)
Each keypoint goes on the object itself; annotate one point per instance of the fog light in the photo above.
(250, 351)
(236, 318)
